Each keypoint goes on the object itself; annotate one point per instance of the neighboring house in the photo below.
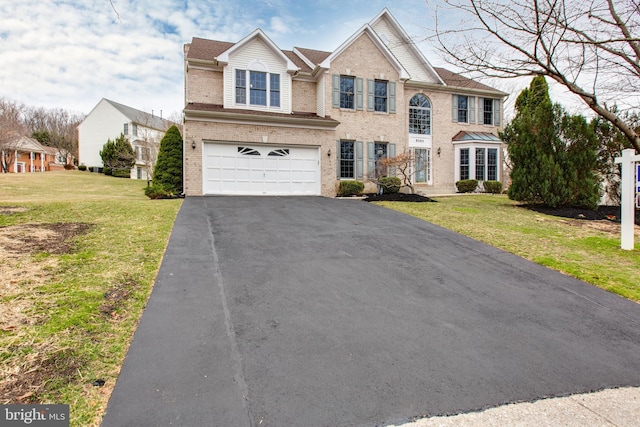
(25, 154)
(108, 120)
(261, 120)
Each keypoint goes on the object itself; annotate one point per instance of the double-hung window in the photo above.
(380, 98)
(347, 92)
(487, 111)
(464, 109)
(263, 88)
(347, 159)
(126, 129)
(274, 90)
(257, 88)
(464, 163)
(480, 163)
(490, 113)
(134, 129)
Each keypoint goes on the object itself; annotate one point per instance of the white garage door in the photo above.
(261, 170)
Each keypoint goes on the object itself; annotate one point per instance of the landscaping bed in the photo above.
(610, 213)
(397, 197)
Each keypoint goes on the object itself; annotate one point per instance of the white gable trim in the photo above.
(367, 29)
(304, 58)
(258, 34)
(385, 13)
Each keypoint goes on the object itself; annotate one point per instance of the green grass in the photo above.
(74, 339)
(584, 249)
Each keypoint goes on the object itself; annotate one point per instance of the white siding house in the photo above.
(108, 120)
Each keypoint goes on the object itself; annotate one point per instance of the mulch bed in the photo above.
(397, 197)
(609, 213)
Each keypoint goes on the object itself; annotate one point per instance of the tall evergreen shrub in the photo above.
(553, 155)
(168, 170)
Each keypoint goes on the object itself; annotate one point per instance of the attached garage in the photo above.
(241, 169)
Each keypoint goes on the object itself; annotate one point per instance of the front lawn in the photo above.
(588, 250)
(79, 253)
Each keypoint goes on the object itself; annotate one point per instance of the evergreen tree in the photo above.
(168, 169)
(118, 156)
(553, 155)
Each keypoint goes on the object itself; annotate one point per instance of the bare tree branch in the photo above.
(592, 48)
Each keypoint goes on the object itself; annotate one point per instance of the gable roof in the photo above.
(314, 57)
(258, 34)
(207, 50)
(140, 117)
(368, 30)
(300, 62)
(24, 143)
(407, 42)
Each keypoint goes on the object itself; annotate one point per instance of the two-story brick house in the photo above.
(261, 120)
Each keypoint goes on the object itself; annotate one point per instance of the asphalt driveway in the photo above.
(310, 311)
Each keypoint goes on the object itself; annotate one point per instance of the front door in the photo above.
(421, 162)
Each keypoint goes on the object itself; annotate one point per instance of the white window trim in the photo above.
(247, 95)
(472, 158)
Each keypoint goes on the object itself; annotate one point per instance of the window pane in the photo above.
(241, 85)
(420, 121)
(464, 163)
(274, 87)
(347, 159)
(347, 85)
(480, 163)
(492, 164)
(463, 109)
(422, 165)
(380, 96)
(258, 88)
(488, 111)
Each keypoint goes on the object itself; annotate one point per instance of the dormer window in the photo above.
(264, 88)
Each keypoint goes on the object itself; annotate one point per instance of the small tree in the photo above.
(553, 155)
(400, 165)
(118, 156)
(168, 169)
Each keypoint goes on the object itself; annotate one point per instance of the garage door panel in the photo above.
(261, 170)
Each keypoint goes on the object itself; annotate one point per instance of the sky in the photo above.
(72, 53)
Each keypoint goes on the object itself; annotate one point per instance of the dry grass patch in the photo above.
(79, 253)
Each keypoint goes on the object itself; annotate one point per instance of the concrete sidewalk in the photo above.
(606, 408)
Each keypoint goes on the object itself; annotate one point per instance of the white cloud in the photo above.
(72, 53)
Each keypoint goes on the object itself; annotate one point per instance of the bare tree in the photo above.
(57, 125)
(11, 128)
(399, 166)
(590, 47)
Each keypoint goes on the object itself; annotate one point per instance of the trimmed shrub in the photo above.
(159, 191)
(82, 167)
(467, 185)
(390, 184)
(69, 167)
(121, 173)
(350, 188)
(493, 187)
(107, 171)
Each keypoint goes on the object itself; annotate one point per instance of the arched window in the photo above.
(420, 115)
